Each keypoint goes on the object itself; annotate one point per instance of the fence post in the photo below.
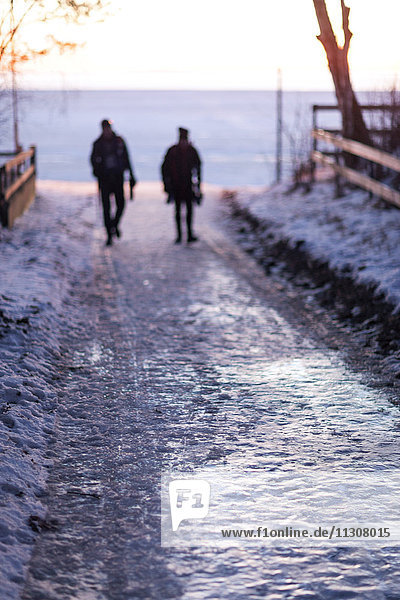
(315, 147)
(33, 157)
(3, 203)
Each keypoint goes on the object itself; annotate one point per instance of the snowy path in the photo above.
(177, 357)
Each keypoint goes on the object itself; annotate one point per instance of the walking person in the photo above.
(110, 160)
(181, 175)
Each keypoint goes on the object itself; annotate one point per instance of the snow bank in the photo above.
(354, 234)
(40, 256)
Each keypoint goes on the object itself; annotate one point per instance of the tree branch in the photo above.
(345, 24)
(8, 38)
(66, 10)
(327, 36)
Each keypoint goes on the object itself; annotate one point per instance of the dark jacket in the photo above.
(110, 157)
(181, 170)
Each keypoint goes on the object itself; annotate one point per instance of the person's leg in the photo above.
(178, 221)
(189, 220)
(105, 199)
(120, 202)
(189, 216)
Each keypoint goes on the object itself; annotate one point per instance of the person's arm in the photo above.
(165, 172)
(96, 160)
(197, 164)
(132, 178)
(128, 166)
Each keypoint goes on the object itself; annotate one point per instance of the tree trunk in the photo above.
(353, 125)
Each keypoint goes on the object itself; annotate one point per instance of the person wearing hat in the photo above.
(110, 159)
(181, 175)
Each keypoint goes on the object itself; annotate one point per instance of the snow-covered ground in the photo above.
(39, 256)
(354, 234)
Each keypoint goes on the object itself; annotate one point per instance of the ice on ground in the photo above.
(43, 255)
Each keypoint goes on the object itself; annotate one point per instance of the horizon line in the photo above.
(186, 90)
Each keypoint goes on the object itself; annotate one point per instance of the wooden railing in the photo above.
(17, 185)
(381, 120)
(362, 151)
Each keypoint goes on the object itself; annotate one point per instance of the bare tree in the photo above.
(15, 14)
(353, 124)
(16, 48)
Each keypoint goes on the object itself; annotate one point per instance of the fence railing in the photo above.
(17, 185)
(361, 151)
(382, 122)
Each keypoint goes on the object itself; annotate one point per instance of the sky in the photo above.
(216, 44)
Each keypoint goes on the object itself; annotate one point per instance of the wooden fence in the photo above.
(17, 185)
(382, 120)
(362, 151)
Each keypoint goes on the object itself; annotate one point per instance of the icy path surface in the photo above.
(180, 357)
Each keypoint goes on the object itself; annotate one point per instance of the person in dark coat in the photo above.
(181, 175)
(110, 159)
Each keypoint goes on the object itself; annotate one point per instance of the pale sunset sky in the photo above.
(218, 44)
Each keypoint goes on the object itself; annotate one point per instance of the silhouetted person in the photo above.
(181, 174)
(110, 159)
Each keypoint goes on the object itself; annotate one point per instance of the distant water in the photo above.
(235, 132)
